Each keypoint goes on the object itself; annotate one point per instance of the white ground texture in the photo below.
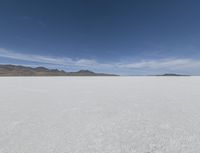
(99, 114)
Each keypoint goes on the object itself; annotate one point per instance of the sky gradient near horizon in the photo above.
(129, 37)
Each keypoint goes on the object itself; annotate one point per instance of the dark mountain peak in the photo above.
(41, 69)
(85, 71)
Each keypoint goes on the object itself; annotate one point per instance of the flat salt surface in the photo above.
(99, 114)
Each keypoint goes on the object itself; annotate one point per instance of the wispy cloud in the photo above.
(42, 23)
(65, 61)
(173, 64)
(30, 19)
(167, 64)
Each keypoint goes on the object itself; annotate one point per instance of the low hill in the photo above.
(172, 74)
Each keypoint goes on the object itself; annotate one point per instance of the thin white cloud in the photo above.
(45, 59)
(168, 64)
(172, 64)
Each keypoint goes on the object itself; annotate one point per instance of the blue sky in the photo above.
(129, 37)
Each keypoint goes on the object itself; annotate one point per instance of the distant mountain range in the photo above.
(172, 74)
(16, 70)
